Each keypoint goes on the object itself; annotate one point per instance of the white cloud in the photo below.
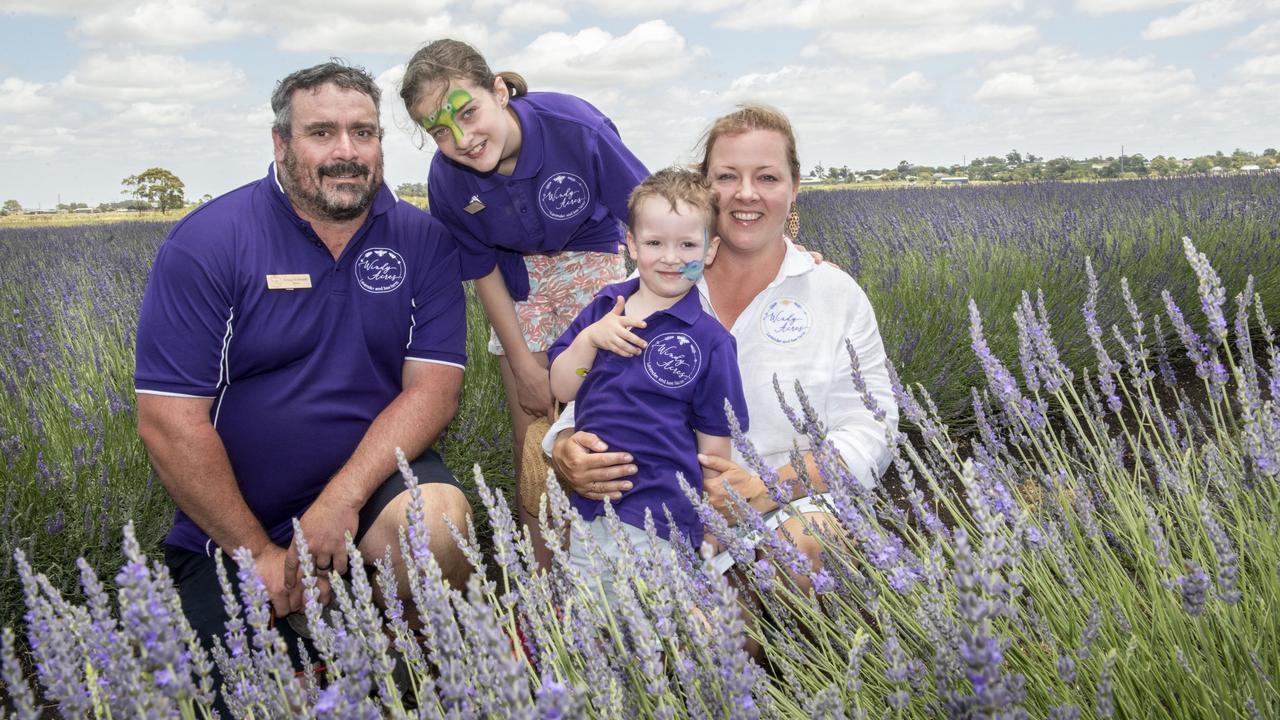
(19, 96)
(650, 52)
(1106, 7)
(150, 114)
(1007, 86)
(650, 8)
(1051, 81)
(866, 16)
(166, 23)
(835, 101)
(910, 84)
(347, 35)
(1261, 67)
(48, 7)
(529, 14)
(907, 44)
(1263, 38)
(1198, 17)
(139, 76)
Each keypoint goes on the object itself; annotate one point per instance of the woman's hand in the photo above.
(723, 474)
(533, 387)
(582, 460)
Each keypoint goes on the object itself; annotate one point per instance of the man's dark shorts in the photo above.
(197, 577)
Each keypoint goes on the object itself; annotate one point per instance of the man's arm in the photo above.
(411, 422)
(191, 462)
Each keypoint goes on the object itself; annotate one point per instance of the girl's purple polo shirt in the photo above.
(650, 405)
(568, 192)
(297, 375)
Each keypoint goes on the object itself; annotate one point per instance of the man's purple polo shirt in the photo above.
(568, 192)
(296, 375)
(650, 405)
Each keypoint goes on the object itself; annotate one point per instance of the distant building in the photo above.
(1250, 169)
(1217, 170)
(811, 180)
(954, 180)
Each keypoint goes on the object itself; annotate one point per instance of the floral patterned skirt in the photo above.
(560, 286)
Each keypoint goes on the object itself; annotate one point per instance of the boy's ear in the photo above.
(711, 250)
(631, 245)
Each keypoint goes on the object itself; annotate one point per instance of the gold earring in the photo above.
(793, 224)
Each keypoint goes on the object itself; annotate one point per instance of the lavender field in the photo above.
(1084, 522)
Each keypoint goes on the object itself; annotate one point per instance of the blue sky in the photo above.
(91, 92)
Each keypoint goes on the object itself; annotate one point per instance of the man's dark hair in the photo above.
(335, 72)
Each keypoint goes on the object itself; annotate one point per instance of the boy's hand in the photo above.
(613, 332)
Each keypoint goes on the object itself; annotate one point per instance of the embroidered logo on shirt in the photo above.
(563, 196)
(785, 321)
(380, 270)
(672, 359)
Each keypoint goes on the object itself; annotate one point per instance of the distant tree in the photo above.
(1269, 152)
(157, 186)
(1164, 166)
(819, 171)
(1013, 157)
(411, 189)
(12, 207)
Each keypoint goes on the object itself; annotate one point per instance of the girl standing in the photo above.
(534, 186)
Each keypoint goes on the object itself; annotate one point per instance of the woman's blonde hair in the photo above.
(749, 117)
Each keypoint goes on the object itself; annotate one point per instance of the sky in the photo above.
(92, 92)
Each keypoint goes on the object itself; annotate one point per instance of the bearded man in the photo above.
(294, 333)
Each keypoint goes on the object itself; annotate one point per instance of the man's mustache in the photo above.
(344, 169)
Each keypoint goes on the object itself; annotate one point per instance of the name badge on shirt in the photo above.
(474, 206)
(288, 282)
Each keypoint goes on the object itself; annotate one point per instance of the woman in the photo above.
(534, 187)
(791, 317)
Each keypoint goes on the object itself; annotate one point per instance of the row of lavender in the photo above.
(74, 471)
(921, 254)
(1121, 561)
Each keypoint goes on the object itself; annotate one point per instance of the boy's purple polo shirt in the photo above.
(650, 405)
(568, 192)
(296, 376)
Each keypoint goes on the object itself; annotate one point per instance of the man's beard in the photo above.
(344, 202)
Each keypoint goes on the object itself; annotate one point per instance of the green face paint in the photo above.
(445, 115)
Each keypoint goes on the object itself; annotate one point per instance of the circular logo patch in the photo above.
(563, 196)
(785, 321)
(380, 270)
(672, 359)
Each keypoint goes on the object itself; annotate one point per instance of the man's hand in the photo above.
(324, 525)
(272, 565)
(613, 332)
(582, 459)
(730, 474)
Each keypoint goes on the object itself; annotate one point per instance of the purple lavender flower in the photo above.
(1228, 560)
(1104, 705)
(24, 703)
(1195, 586)
(1092, 628)
(1212, 295)
(1066, 667)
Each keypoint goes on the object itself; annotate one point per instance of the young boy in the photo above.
(659, 389)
